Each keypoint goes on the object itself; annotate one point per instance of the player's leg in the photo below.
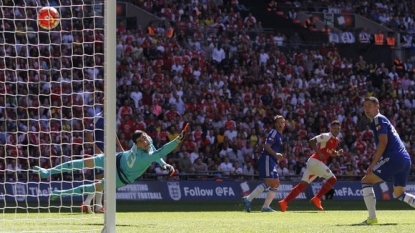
(98, 162)
(380, 173)
(84, 189)
(78, 164)
(306, 179)
(99, 208)
(265, 166)
(97, 138)
(86, 205)
(80, 190)
(272, 184)
(399, 184)
(321, 170)
(369, 196)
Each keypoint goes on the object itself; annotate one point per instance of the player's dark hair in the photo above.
(336, 122)
(372, 99)
(136, 135)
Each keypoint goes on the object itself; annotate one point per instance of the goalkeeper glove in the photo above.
(169, 168)
(182, 134)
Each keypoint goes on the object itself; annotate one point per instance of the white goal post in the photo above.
(109, 114)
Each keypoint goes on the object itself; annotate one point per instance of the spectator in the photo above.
(226, 167)
(199, 166)
(185, 164)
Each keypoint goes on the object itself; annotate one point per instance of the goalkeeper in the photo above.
(130, 164)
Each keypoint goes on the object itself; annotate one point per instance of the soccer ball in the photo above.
(48, 18)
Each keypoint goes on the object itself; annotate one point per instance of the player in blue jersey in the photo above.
(391, 160)
(96, 135)
(130, 164)
(267, 164)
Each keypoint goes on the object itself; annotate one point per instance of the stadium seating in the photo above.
(309, 87)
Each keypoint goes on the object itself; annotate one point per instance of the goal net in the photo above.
(51, 85)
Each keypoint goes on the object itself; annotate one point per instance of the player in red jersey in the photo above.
(324, 146)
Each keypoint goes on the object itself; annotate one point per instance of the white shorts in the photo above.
(315, 168)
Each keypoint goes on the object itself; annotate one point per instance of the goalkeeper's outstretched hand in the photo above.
(185, 130)
(169, 168)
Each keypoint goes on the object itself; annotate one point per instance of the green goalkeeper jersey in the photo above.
(134, 162)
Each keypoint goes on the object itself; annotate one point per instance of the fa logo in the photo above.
(19, 191)
(174, 190)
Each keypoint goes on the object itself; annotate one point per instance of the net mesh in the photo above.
(51, 86)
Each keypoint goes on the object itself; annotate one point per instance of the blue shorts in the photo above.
(99, 171)
(99, 134)
(398, 169)
(267, 167)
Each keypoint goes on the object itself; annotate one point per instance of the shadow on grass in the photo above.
(363, 225)
(101, 224)
(196, 206)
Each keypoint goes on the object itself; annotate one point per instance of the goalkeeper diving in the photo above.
(130, 164)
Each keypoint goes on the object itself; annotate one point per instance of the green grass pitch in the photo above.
(226, 217)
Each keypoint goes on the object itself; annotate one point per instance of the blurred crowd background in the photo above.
(215, 68)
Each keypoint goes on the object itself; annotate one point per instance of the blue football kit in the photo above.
(267, 163)
(98, 128)
(395, 161)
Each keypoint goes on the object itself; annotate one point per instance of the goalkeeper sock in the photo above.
(80, 190)
(269, 198)
(408, 198)
(370, 199)
(89, 199)
(67, 167)
(295, 192)
(257, 191)
(98, 198)
(326, 187)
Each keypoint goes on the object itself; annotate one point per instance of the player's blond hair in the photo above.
(278, 117)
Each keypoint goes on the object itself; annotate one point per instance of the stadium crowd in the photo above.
(397, 16)
(227, 82)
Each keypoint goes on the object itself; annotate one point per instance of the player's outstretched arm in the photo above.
(170, 146)
(166, 166)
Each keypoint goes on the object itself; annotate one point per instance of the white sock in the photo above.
(370, 199)
(257, 191)
(384, 187)
(98, 198)
(269, 198)
(409, 198)
(89, 199)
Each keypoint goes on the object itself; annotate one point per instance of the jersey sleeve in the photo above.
(381, 125)
(322, 138)
(164, 150)
(161, 162)
(271, 137)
